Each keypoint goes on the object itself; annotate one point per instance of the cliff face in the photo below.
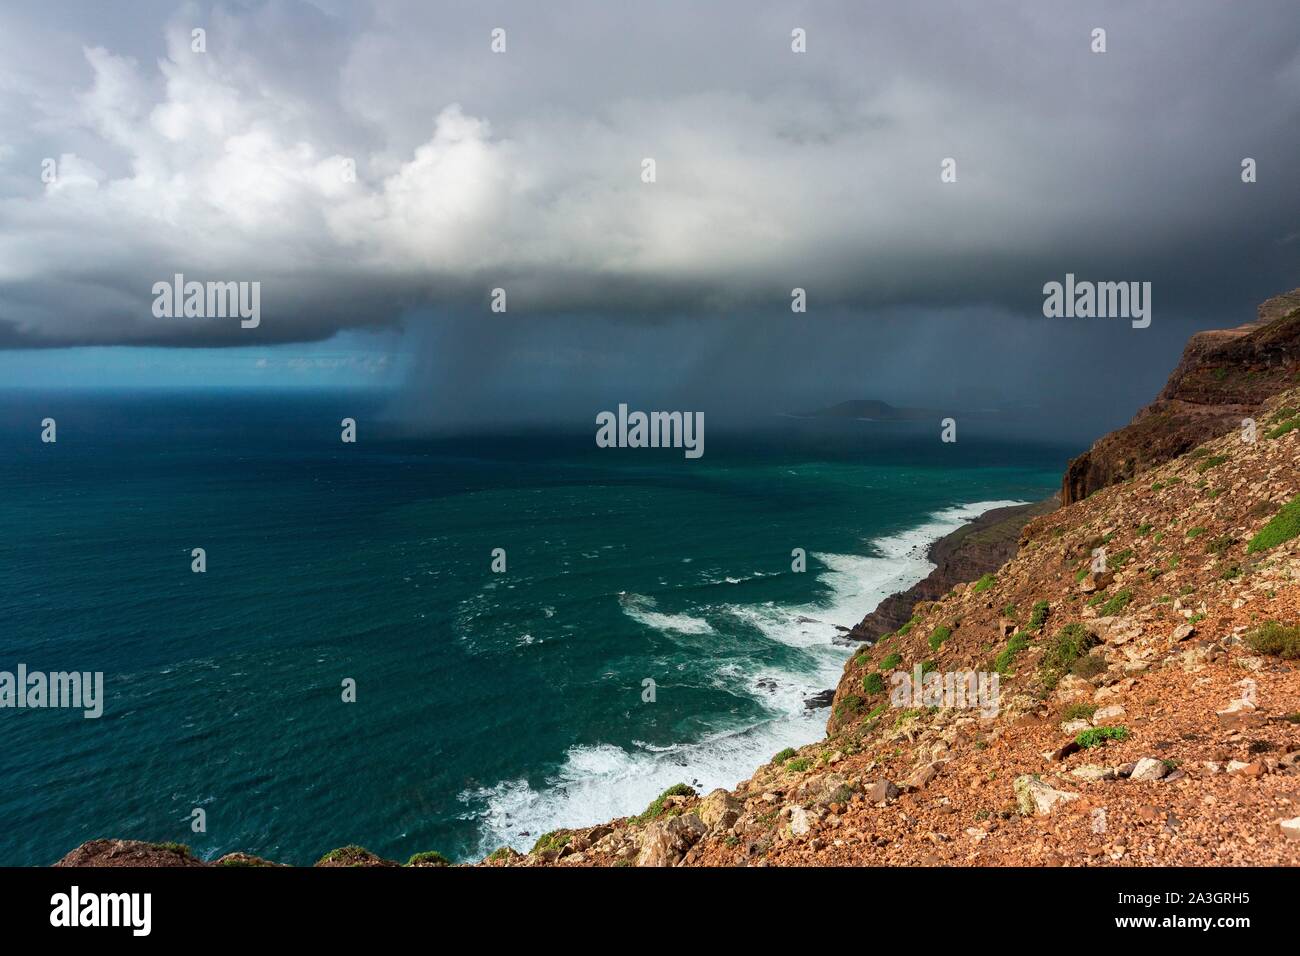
(974, 549)
(1223, 377)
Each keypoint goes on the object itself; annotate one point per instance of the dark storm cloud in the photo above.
(521, 170)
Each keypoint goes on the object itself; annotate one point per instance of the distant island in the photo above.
(869, 409)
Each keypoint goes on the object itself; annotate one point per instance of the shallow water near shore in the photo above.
(490, 707)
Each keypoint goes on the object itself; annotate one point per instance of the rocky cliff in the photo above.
(1224, 376)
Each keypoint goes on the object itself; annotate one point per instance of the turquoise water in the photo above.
(490, 707)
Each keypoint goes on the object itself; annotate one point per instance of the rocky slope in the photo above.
(1224, 376)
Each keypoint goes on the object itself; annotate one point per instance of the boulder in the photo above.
(719, 810)
(665, 841)
(1237, 715)
(1104, 715)
(801, 821)
(1035, 798)
(1148, 769)
(881, 792)
(1093, 773)
(921, 776)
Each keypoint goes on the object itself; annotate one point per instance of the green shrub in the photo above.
(784, 755)
(1117, 603)
(1099, 735)
(1275, 638)
(939, 635)
(555, 839)
(1068, 645)
(1213, 462)
(1038, 616)
(652, 812)
(1119, 559)
(1018, 642)
(984, 583)
(1220, 544)
(347, 854)
(892, 661)
(873, 683)
(179, 848)
(1195, 532)
(847, 707)
(798, 765)
(1284, 526)
(1284, 429)
(428, 858)
(1079, 711)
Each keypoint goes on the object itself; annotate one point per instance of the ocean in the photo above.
(490, 707)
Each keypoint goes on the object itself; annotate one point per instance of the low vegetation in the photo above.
(1284, 526)
(428, 858)
(1096, 736)
(939, 635)
(658, 807)
(1038, 616)
(1117, 603)
(1068, 645)
(554, 840)
(1277, 639)
(1018, 642)
(1079, 711)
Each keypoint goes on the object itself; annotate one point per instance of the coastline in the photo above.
(597, 782)
(979, 547)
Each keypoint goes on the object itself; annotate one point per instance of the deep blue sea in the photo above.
(490, 707)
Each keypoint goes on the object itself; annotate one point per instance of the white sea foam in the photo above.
(641, 608)
(596, 783)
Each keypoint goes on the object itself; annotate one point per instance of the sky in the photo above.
(378, 169)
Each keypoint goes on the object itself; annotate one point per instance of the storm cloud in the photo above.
(522, 170)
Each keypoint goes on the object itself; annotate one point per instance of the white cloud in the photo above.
(473, 171)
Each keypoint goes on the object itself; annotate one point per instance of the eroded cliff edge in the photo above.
(1225, 375)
